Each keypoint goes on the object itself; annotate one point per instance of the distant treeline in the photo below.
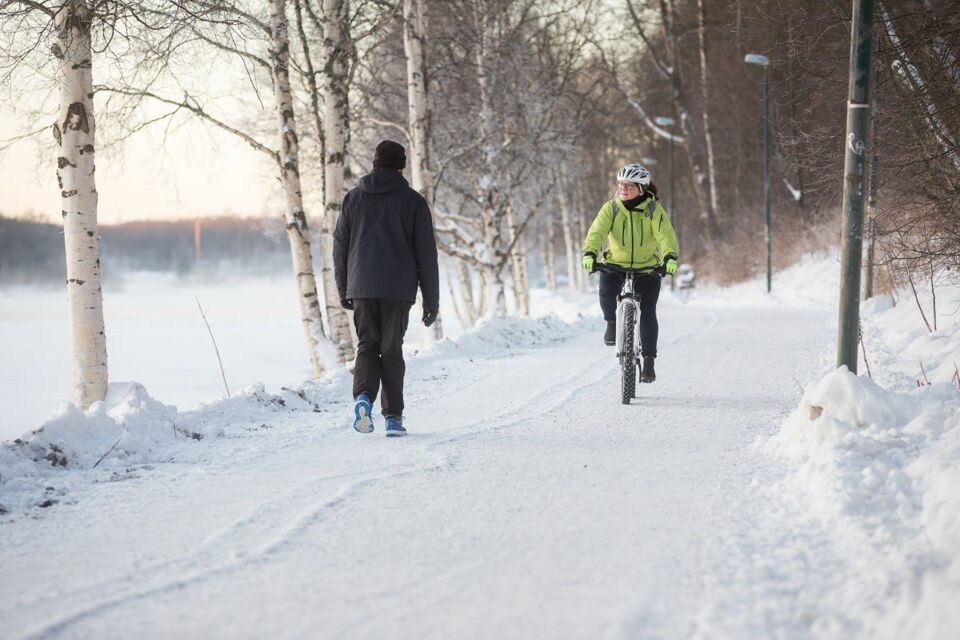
(32, 251)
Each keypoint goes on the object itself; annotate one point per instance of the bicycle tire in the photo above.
(628, 375)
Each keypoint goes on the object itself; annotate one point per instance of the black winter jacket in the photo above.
(383, 246)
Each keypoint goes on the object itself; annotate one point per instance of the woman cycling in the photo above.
(638, 234)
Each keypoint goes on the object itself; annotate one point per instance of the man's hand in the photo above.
(671, 266)
(346, 304)
(429, 316)
(587, 263)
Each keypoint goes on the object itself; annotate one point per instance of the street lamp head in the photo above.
(651, 161)
(664, 121)
(756, 58)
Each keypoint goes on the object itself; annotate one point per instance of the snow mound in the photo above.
(128, 427)
(500, 334)
(814, 282)
(918, 354)
(879, 468)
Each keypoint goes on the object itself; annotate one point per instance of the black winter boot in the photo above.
(648, 374)
(610, 335)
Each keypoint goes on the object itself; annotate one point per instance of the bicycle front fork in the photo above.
(621, 314)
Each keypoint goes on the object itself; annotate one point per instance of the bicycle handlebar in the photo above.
(659, 270)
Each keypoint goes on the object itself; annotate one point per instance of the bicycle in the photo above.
(628, 327)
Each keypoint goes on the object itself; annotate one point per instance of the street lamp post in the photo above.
(854, 166)
(763, 61)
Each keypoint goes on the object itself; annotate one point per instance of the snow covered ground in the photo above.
(752, 491)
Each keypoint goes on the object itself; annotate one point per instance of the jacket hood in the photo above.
(382, 181)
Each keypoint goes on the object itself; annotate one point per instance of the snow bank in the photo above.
(880, 468)
(502, 335)
(897, 337)
(131, 428)
(128, 427)
(814, 282)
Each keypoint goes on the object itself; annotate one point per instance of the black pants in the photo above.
(380, 327)
(647, 289)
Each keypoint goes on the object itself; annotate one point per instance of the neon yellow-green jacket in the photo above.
(642, 237)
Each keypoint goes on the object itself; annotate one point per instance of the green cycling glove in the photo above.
(671, 266)
(588, 262)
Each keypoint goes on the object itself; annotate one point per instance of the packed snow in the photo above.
(754, 490)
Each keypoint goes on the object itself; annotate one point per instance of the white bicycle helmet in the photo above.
(634, 173)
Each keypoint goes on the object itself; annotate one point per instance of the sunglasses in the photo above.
(626, 186)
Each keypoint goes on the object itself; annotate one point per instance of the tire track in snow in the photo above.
(235, 560)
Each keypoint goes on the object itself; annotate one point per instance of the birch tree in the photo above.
(225, 28)
(705, 89)
(69, 24)
(298, 231)
(336, 47)
(74, 133)
(517, 60)
(414, 35)
(421, 176)
(668, 61)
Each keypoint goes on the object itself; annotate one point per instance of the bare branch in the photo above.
(198, 111)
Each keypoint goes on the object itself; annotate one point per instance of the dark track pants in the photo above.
(647, 289)
(380, 327)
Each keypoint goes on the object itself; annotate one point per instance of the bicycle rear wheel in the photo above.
(628, 374)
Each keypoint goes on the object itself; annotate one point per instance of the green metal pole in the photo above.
(673, 208)
(766, 164)
(858, 105)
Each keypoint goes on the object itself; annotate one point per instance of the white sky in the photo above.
(197, 175)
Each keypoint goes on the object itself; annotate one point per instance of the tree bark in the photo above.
(466, 290)
(707, 134)
(74, 133)
(489, 194)
(518, 265)
(414, 34)
(337, 126)
(298, 232)
(421, 178)
(569, 242)
(549, 254)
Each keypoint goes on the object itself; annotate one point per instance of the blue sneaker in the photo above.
(395, 427)
(363, 422)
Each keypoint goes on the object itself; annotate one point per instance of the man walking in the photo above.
(383, 249)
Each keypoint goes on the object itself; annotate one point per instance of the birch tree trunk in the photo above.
(569, 243)
(705, 86)
(911, 74)
(314, 91)
(453, 298)
(669, 15)
(74, 133)
(518, 265)
(337, 126)
(466, 290)
(414, 35)
(298, 232)
(692, 146)
(549, 254)
(492, 276)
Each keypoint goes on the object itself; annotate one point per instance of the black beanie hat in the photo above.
(389, 155)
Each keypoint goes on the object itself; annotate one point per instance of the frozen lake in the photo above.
(155, 336)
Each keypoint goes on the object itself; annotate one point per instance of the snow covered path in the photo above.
(527, 502)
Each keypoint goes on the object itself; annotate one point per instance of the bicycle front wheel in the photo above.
(628, 355)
